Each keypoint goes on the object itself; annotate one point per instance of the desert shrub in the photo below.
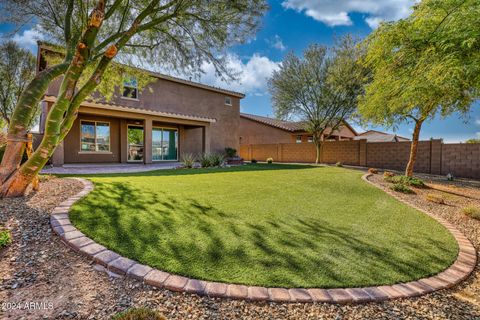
(230, 152)
(372, 171)
(139, 314)
(188, 160)
(339, 164)
(432, 197)
(473, 212)
(205, 160)
(253, 161)
(5, 238)
(270, 160)
(400, 187)
(216, 159)
(388, 176)
(408, 181)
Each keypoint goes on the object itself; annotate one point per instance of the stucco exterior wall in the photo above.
(254, 132)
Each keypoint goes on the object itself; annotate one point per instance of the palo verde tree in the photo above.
(17, 69)
(320, 89)
(423, 66)
(176, 34)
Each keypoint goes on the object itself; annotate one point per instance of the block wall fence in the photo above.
(434, 156)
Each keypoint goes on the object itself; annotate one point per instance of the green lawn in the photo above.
(270, 225)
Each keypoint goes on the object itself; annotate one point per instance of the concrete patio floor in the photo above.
(94, 168)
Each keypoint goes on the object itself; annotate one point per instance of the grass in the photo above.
(270, 225)
(472, 211)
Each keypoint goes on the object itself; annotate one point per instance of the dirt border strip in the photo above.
(456, 273)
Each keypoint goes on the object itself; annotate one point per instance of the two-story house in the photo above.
(169, 117)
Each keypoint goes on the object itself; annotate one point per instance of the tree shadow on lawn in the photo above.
(186, 237)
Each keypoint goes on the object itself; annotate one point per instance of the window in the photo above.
(130, 88)
(164, 144)
(298, 139)
(228, 101)
(94, 136)
(310, 139)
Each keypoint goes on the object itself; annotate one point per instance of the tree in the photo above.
(473, 141)
(178, 35)
(423, 66)
(319, 90)
(17, 69)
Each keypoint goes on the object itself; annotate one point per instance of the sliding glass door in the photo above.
(164, 144)
(135, 143)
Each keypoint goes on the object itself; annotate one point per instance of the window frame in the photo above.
(228, 103)
(135, 88)
(109, 151)
(310, 139)
(297, 140)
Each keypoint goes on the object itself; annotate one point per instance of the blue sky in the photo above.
(291, 25)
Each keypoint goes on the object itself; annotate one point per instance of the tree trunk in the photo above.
(22, 115)
(413, 148)
(317, 141)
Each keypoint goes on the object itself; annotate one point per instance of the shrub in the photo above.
(339, 164)
(139, 314)
(372, 171)
(5, 238)
(230, 152)
(400, 187)
(216, 160)
(388, 176)
(270, 160)
(473, 212)
(409, 181)
(253, 161)
(188, 160)
(432, 197)
(205, 160)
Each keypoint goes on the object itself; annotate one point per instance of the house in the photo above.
(378, 136)
(171, 116)
(263, 130)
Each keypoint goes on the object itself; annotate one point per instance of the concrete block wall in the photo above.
(433, 156)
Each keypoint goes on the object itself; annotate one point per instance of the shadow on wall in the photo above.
(198, 240)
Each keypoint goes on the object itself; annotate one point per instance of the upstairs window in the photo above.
(130, 88)
(228, 101)
(298, 139)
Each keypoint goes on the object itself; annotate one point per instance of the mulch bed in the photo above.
(38, 267)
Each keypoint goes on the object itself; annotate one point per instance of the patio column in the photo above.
(206, 139)
(147, 141)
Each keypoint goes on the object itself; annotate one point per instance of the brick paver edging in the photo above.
(453, 275)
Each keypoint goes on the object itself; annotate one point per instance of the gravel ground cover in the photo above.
(37, 267)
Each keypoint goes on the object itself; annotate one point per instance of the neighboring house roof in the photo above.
(378, 136)
(280, 124)
(89, 103)
(54, 48)
(291, 126)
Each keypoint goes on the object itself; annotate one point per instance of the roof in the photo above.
(52, 47)
(173, 115)
(280, 124)
(290, 126)
(378, 136)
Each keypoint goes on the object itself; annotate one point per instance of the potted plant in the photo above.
(231, 157)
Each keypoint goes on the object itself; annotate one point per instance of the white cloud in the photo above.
(277, 43)
(336, 12)
(252, 75)
(28, 38)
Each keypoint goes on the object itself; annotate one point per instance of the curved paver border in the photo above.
(456, 273)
